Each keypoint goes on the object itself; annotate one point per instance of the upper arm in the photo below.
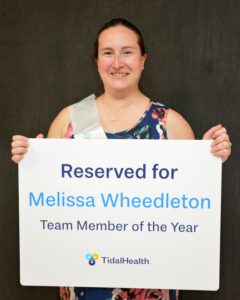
(177, 127)
(59, 125)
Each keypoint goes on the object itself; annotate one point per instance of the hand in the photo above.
(20, 146)
(221, 145)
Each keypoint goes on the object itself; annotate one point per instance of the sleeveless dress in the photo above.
(150, 126)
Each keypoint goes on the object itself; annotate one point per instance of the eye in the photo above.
(107, 53)
(127, 52)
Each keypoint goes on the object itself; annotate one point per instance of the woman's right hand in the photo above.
(20, 146)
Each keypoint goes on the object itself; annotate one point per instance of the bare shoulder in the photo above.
(177, 127)
(59, 124)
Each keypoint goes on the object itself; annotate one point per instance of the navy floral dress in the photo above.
(150, 126)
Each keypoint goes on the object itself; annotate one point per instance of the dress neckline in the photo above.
(145, 113)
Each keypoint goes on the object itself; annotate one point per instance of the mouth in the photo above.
(119, 74)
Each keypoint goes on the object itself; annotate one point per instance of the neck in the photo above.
(116, 101)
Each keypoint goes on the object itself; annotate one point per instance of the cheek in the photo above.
(136, 64)
(103, 65)
(136, 67)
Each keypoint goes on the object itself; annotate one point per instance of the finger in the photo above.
(40, 136)
(20, 143)
(219, 132)
(19, 137)
(210, 132)
(19, 151)
(17, 158)
(224, 137)
(225, 151)
(224, 154)
(221, 146)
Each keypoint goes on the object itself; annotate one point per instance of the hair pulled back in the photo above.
(122, 22)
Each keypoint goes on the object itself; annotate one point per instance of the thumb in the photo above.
(40, 136)
(208, 135)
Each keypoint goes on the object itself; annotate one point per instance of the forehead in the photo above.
(117, 36)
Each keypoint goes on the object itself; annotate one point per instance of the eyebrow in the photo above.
(123, 48)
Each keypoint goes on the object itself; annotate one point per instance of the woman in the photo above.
(125, 112)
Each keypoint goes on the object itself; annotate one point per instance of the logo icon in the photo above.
(91, 258)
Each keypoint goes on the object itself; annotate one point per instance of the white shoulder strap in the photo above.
(84, 119)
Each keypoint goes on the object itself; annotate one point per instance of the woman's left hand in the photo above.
(221, 145)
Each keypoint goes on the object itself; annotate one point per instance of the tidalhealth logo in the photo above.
(91, 258)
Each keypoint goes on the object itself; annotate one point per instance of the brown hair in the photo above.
(123, 22)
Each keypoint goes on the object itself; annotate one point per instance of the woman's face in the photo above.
(120, 62)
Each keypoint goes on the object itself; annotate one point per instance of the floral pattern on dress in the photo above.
(150, 126)
(140, 294)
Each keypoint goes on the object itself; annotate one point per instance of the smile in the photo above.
(119, 74)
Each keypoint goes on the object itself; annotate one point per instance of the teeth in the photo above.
(119, 75)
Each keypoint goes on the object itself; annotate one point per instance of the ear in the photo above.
(96, 62)
(144, 57)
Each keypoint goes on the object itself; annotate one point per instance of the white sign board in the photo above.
(120, 213)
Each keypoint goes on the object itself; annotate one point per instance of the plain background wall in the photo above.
(46, 64)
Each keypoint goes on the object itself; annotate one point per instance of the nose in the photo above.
(117, 63)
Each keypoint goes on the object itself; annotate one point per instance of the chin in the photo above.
(122, 86)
